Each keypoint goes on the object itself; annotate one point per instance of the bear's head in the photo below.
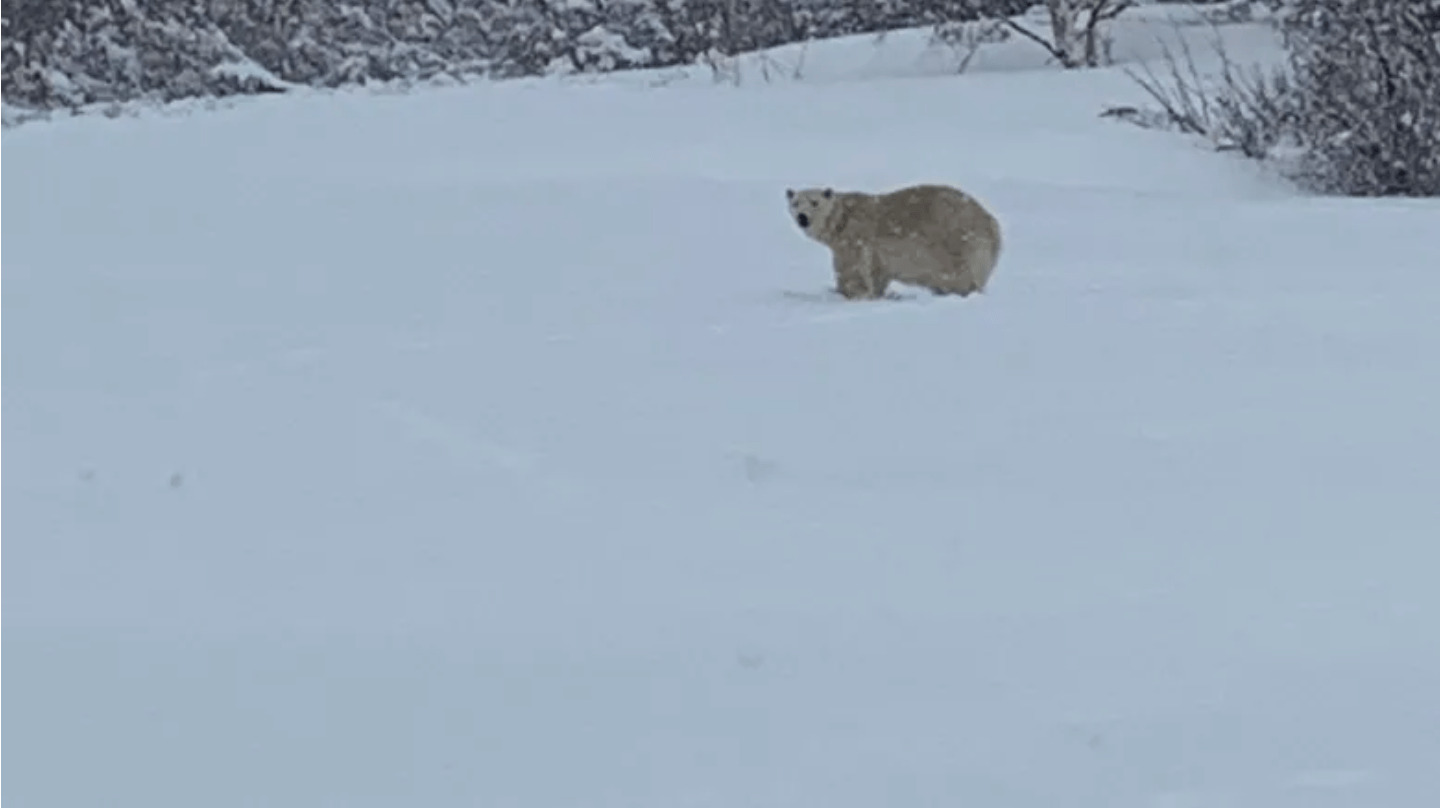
(811, 209)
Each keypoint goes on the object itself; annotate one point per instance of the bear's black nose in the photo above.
(802, 220)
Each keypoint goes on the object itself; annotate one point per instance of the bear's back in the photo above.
(916, 210)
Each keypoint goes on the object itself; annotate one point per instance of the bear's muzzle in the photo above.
(802, 220)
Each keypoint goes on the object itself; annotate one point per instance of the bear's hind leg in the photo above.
(959, 284)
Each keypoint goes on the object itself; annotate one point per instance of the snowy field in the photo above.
(470, 448)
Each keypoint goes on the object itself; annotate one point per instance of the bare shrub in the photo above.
(1078, 36)
(1246, 109)
(966, 38)
(1355, 110)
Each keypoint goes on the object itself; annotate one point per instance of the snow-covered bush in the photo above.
(1366, 85)
(60, 53)
(70, 52)
(1355, 110)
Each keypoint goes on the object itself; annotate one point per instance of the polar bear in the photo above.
(933, 236)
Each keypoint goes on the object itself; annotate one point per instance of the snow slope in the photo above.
(464, 448)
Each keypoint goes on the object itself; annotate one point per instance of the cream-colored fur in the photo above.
(933, 236)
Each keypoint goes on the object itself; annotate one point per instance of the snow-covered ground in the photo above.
(465, 448)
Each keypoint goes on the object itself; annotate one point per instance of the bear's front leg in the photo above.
(858, 275)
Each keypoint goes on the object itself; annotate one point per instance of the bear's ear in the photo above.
(789, 193)
(829, 192)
